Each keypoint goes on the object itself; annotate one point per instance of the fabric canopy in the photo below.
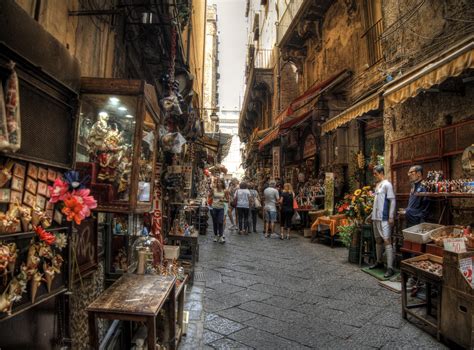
(296, 121)
(271, 136)
(368, 104)
(453, 62)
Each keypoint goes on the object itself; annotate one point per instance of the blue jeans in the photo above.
(218, 221)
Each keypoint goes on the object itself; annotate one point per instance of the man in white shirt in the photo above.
(383, 218)
(271, 199)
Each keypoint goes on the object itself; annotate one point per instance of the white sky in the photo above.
(231, 24)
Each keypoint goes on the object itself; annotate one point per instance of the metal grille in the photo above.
(46, 126)
(374, 43)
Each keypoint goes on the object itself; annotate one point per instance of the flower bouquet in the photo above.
(76, 199)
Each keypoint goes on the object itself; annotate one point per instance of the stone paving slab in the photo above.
(262, 293)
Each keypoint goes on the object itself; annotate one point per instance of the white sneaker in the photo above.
(215, 238)
(222, 239)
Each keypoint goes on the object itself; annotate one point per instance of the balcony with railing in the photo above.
(287, 18)
(259, 59)
(373, 35)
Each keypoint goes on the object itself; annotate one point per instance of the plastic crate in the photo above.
(420, 233)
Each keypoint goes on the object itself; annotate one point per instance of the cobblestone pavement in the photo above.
(258, 293)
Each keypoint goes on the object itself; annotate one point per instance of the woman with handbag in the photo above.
(217, 201)
(255, 205)
(242, 203)
(287, 200)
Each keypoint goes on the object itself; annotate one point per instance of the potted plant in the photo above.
(357, 207)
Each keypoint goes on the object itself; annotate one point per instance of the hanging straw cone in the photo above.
(48, 275)
(36, 217)
(35, 283)
(25, 223)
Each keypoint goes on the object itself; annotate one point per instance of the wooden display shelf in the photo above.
(39, 300)
(445, 195)
(29, 234)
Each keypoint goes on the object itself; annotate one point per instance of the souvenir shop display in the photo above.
(436, 183)
(117, 142)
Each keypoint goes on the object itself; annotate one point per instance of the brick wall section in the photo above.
(289, 84)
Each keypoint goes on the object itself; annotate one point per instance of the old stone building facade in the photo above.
(210, 94)
(338, 67)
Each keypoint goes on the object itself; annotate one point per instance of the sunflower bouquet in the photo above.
(357, 205)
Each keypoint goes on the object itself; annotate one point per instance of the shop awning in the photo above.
(451, 63)
(318, 88)
(269, 138)
(295, 122)
(368, 104)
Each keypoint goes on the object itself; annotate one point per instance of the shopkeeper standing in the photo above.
(383, 218)
(418, 207)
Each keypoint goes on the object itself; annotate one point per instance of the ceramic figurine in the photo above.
(98, 132)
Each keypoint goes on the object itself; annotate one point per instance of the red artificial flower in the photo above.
(45, 236)
(58, 191)
(88, 202)
(73, 209)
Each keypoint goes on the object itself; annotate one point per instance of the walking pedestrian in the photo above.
(233, 186)
(242, 198)
(286, 203)
(271, 196)
(218, 199)
(383, 218)
(254, 206)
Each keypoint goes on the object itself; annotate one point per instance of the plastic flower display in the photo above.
(76, 199)
(44, 235)
(357, 205)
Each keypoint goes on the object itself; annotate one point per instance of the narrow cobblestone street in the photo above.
(271, 294)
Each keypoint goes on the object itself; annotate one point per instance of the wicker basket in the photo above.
(440, 234)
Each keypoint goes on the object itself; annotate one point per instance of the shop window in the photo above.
(374, 29)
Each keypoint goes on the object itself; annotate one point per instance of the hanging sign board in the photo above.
(329, 199)
(309, 149)
(276, 162)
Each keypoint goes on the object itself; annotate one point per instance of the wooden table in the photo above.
(136, 298)
(332, 222)
(193, 241)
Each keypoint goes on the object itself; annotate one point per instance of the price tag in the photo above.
(456, 245)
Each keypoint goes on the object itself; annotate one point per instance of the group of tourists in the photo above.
(240, 202)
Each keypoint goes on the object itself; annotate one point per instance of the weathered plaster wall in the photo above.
(89, 39)
(423, 113)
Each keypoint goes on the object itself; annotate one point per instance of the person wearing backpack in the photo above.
(242, 203)
(255, 205)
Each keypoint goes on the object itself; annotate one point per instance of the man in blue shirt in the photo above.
(418, 207)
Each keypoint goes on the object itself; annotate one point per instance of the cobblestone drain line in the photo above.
(257, 293)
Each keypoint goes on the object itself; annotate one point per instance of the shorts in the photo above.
(382, 229)
(270, 215)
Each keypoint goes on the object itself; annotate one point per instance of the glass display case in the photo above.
(122, 232)
(116, 146)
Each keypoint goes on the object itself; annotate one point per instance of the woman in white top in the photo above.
(219, 198)
(242, 196)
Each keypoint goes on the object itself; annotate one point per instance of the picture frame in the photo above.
(40, 202)
(29, 199)
(58, 217)
(49, 213)
(49, 205)
(42, 189)
(5, 194)
(19, 170)
(42, 174)
(31, 185)
(51, 175)
(17, 184)
(32, 171)
(16, 197)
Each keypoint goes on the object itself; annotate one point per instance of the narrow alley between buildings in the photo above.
(264, 293)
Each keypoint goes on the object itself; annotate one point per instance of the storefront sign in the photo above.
(309, 149)
(157, 220)
(84, 248)
(456, 245)
(329, 199)
(276, 162)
